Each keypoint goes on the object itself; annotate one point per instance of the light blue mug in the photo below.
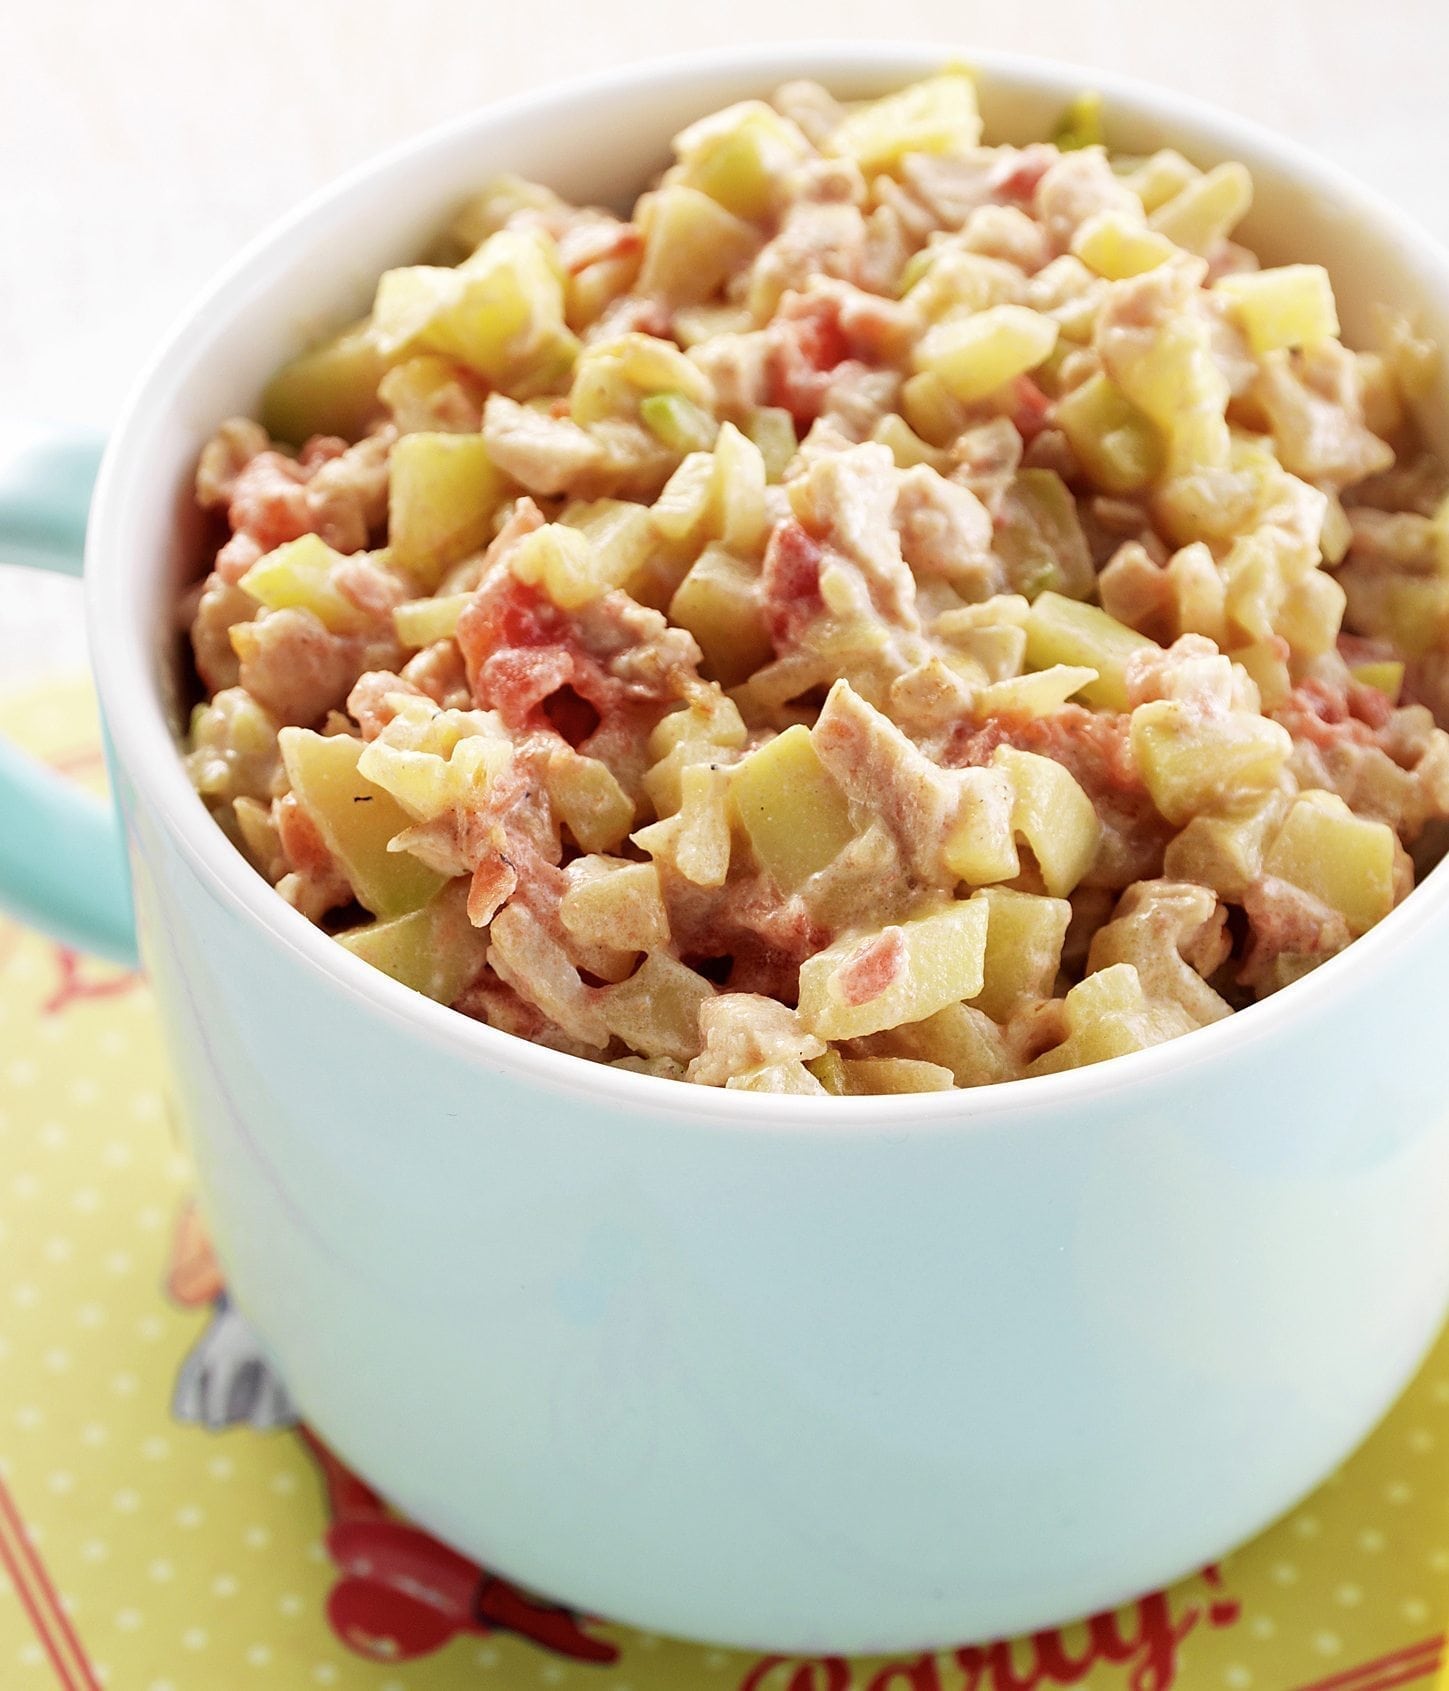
(856, 1374)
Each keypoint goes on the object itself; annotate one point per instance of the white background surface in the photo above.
(142, 142)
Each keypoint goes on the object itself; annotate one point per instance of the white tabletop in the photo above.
(144, 142)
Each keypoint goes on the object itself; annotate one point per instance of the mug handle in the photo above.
(62, 851)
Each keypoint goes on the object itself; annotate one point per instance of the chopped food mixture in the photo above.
(889, 613)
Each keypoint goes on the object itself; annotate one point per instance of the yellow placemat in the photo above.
(165, 1526)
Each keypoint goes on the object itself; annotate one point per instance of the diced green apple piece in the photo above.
(436, 950)
(297, 575)
(356, 820)
(719, 603)
(795, 814)
(442, 499)
(331, 389)
(1066, 631)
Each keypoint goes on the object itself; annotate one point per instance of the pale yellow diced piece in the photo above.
(1118, 445)
(1256, 573)
(423, 622)
(1219, 501)
(656, 1011)
(1080, 125)
(1386, 677)
(1347, 861)
(1175, 380)
(906, 446)
(501, 311)
(495, 205)
(1336, 535)
(661, 1068)
(717, 495)
(1066, 631)
(936, 115)
(980, 846)
(298, 575)
(1043, 692)
(260, 837)
(611, 901)
(1411, 611)
(1266, 663)
(421, 724)
(975, 355)
(563, 562)
(1413, 357)
(1116, 247)
(879, 1076)
(703, 852)
(1225, 852)
(719, 603)
(443, 493)
(612, 376)
(1039, 538)
(1290, 305)
(1114, 991)
(991, 635)
(1053, 815)
(1160, 177)
(433, 761)
(679, 511)
(940, 960)
(1109, 1015)
(960, 1038)
(739, 491)
(678, 422)
(1194, 763)
(790, 1077)
(232, 747)
(589, 799)
(1068, 291)
(741, 156)
(711, 718)
(436, 950)
(1311, 613)
(829, 1070)
(1207, 209)
(692, 325)
(772, 429)
(621, 532)
(789, 805)
(696, 840)
(357, 821)
(330, 389)
(943, 281)
(932, 410)
(428, 784)
(588, 292)
(1024, 938)
(710, 725)
(691, 245)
